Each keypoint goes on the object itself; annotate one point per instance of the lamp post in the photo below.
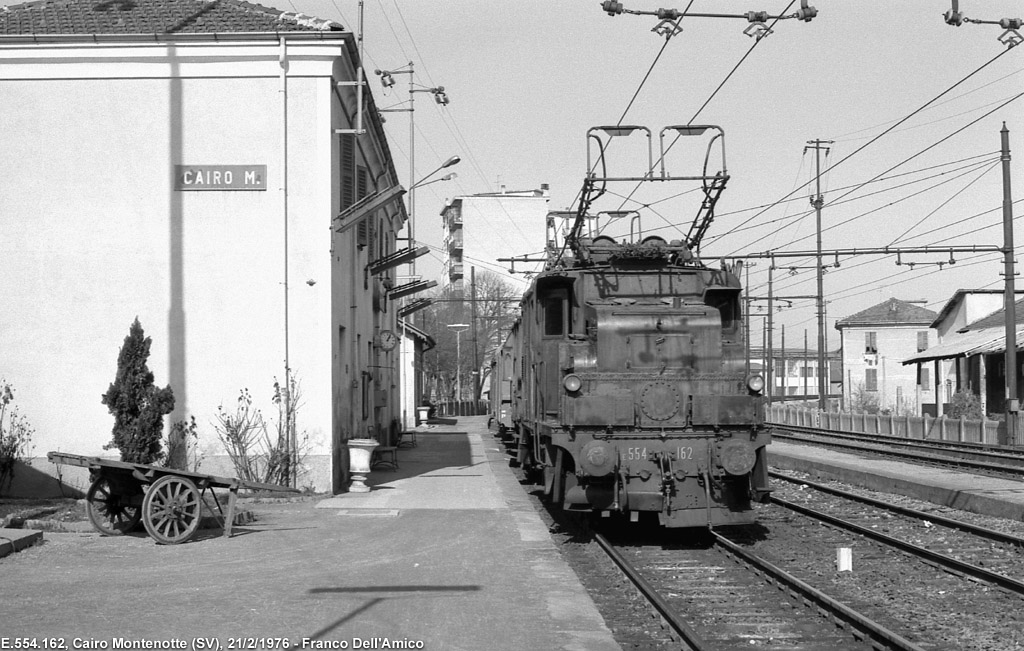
(458, 328)
(387, 80)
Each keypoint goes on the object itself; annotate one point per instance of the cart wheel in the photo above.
(172, 509)
(111, 513)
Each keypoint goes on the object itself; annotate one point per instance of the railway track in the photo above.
(721, 597)
(934, 578)
(776, 584)
(920, 548)
(1002, 461)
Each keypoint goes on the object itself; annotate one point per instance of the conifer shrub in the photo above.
(137, 404)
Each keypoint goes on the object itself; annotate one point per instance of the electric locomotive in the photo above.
(625, 383)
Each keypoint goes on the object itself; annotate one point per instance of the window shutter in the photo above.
(348, 171)
(361, 233)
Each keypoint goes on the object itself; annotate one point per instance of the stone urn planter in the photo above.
(359, 453)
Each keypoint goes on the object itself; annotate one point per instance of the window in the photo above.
(554, 307)
(926, 379)
(553, 321)
(922, 340)
(871, 343)
(871, 379)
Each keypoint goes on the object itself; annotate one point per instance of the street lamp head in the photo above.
(386, 79)
(458, 327)
(440, 96)
(454, 160)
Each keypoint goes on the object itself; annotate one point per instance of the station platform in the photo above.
(445, 553)
(454, 536)
(992, 496)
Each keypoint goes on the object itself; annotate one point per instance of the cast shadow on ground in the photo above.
(434, 453)
(376, 600)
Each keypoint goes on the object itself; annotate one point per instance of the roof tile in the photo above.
(55, 17)
(891, 312)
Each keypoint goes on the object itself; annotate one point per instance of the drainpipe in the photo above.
(283, 92)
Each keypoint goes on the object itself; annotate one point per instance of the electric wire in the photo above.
(887, 178)
(842, 137)
(636, 93)
(708, 100)
(883, 207)
(919, 153)
(943, 204)
(887, 131)
(970, 167)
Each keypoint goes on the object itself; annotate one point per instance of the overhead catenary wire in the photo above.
(888, 205)
(912, 157)
(943, 204)
(971, 166)
(885, 132)
(850, 267)
(708, 100)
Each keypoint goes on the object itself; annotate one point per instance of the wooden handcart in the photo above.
(168, 502)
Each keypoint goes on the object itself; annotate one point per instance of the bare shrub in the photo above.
(257, 453)
(15, 436)
(240, 433)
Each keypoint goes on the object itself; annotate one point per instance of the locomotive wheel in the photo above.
(110, 512)
(172, 509)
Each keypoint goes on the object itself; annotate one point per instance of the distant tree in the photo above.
(497, 302)
(965, 404)
(137, 404)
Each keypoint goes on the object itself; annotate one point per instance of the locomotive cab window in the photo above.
(728, 306)
(555, 312)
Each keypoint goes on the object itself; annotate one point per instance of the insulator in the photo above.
(611, 7)
(757, 16)
(1011, 23)
(954, 18)
(806, 13)
(669, 14)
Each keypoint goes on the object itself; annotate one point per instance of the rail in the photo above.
(880, 636)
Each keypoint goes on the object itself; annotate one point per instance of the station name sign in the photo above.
(220, 177)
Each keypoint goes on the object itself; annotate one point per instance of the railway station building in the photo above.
(971, 353)
(215, 170)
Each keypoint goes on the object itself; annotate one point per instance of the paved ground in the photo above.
(447, 551)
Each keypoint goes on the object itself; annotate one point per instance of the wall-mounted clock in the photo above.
(387, 339)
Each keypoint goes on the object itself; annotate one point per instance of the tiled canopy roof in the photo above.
(56, 17)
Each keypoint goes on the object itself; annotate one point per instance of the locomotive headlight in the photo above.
(755, 383)
(572, 383)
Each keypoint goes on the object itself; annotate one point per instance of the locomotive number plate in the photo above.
(640, 453)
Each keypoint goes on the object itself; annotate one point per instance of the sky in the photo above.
(914, 160)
